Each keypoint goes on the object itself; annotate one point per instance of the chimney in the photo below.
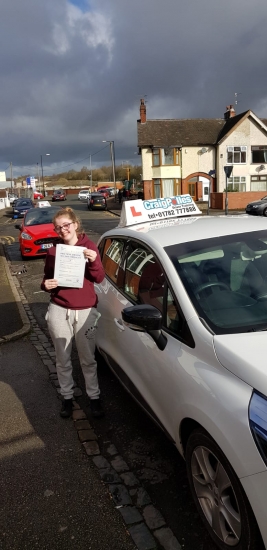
(142, 111)
(229, 113)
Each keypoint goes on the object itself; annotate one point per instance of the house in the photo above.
(190, 155)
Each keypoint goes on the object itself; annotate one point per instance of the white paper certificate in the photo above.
(69, 265)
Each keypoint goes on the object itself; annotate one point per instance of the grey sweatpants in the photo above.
(63, 325)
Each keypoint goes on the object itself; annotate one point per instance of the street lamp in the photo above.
(112, 154)
(47, 155)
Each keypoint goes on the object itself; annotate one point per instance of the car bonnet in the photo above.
(244, 355)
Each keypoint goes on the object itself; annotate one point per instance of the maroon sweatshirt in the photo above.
(76, 298)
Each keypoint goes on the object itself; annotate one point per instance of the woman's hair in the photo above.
(68, 212)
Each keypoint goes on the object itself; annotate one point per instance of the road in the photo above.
(150, 455)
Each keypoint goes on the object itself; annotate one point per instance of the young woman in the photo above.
(72, 313)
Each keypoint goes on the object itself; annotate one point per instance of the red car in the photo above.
(37, 195)
(59, 195)
(104, 192)
(37, 232)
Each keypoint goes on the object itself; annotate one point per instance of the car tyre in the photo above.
(218, 494)
(264, 213)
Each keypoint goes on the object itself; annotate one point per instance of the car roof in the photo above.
(188, 229)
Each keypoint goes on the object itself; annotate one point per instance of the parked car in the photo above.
(97, 202)
(20, 207)
(59, 195)
(104, 192)
(257, 208)
(84, 194)
(37, 232)
(37, 195)
(109, 190)
(183, 326)
(12, 197)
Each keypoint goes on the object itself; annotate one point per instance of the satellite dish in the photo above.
(204, 150)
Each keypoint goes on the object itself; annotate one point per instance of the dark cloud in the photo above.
(73, 73)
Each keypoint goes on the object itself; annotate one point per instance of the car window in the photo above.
(145, 283)
(111, 258)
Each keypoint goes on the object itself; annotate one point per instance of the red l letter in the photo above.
(134, 213)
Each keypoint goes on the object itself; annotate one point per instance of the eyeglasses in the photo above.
(64, 227)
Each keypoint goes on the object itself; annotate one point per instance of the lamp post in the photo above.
(47, 155)
(112, 155)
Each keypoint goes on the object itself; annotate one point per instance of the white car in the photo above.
(84, 194)
(12, 197)
(183, 326)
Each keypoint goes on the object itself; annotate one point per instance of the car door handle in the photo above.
(118, 323)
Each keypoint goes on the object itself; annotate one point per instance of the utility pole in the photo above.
(11, 175)
(90, 172)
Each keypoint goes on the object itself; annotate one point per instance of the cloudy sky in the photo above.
(73, 73)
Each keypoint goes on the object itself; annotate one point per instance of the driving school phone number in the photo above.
(166, 213)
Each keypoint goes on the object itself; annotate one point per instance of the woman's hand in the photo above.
(50, 284)
(90, 254)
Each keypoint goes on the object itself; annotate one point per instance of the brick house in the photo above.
(189, 155)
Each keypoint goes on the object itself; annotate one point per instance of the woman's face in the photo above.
(66, 229)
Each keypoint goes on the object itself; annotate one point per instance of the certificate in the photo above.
(69, 265)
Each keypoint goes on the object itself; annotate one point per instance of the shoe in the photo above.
(66, 409)
(96, 408)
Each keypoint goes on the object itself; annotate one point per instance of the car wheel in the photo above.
(219, 496)
(264, 213)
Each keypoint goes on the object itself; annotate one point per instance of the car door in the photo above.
(135, 276)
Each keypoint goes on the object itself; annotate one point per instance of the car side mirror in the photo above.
(18, 226)
(145, 318)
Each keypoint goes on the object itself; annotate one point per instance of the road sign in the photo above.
(30, 181)
(228, 171)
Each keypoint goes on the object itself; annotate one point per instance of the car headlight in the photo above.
(258, 422)
(16, 211)
(26, 237)
(255, 206)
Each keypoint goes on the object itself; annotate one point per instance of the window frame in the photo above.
(159, 152)
(237, 183)
(233, 149)
(258, 148)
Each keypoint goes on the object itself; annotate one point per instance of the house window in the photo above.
(157, 189)
(237, 183)
(259, 154)
(166, 188)
(237, 155)
(156, 157)
(258, 183)
(169, 156)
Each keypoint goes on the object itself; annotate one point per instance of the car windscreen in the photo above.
(24, 202)
(39, 216)
(226, 280)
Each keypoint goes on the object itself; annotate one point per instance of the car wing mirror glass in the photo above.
(18, 226)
